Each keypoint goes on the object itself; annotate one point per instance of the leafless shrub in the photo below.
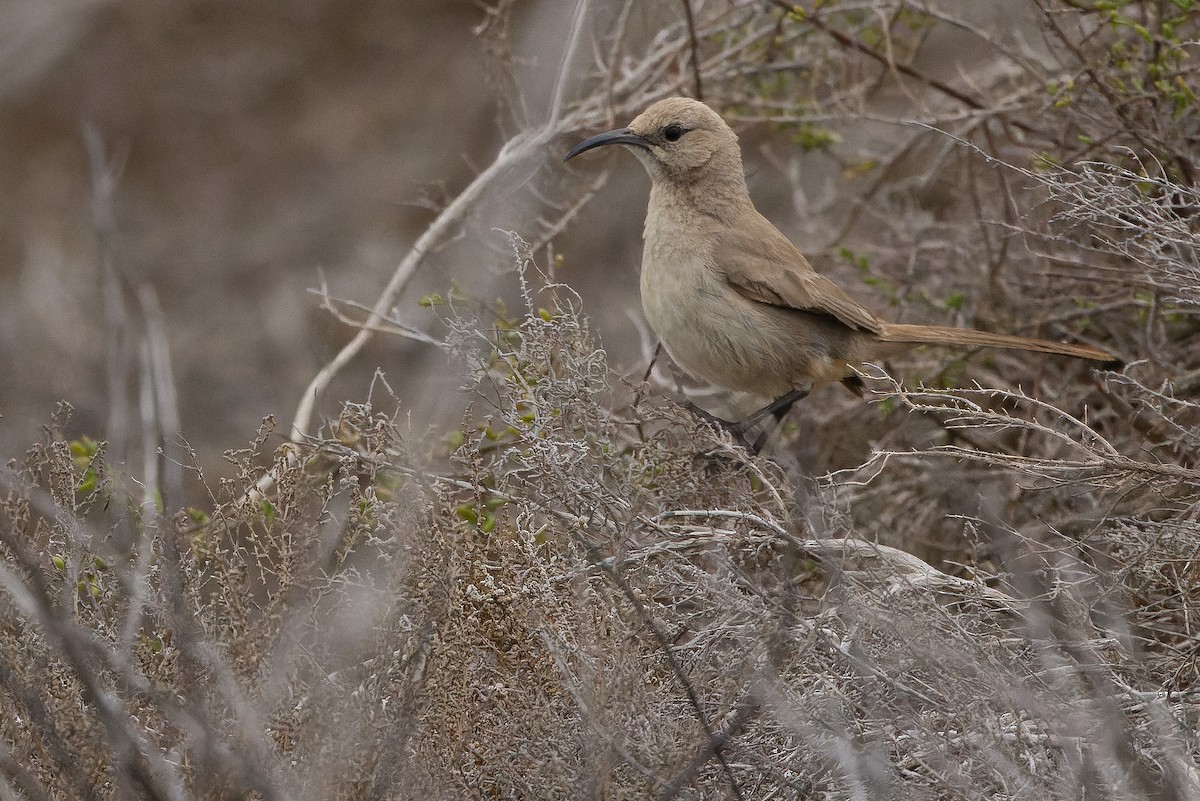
(1137, 215)
(589, 596)
(587, 592)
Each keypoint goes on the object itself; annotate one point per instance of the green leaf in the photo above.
(810, 138)
(197, 515)
(268, 510)
(432, 300)
(84, 448)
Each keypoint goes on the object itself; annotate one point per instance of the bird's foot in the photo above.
(735, 430)
(741, 430)
(777, 408)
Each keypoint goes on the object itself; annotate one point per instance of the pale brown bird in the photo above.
(734, 302)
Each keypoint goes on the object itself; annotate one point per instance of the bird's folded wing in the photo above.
(768, 269)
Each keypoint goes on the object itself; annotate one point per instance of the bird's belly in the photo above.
(715, 334)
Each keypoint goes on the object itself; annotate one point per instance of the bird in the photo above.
(733, 301)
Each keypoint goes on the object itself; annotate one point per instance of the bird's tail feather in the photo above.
(943, 335)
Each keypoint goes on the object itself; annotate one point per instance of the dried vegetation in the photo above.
(587, 592)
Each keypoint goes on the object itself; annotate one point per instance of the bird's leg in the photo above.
(777, 408)
(708, 417)
(735, 430)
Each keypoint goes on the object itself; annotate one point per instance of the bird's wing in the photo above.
(762, 265)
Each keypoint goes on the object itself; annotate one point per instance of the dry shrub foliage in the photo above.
(588, 592)
(592, 594)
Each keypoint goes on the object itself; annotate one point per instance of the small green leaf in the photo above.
(89, 584)
(811, 138)
(854, 169)
(268, 510)
(432, 300)
(84, 448)
(1043, 162)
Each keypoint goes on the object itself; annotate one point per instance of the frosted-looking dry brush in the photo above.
(979, 583)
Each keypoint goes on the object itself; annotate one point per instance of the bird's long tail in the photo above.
(943, 335)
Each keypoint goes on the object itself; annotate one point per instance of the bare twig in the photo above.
(697, 82)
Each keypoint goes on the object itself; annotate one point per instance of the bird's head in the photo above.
(677, 139)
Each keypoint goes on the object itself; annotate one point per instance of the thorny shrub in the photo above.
(589, 592)
(593, 593)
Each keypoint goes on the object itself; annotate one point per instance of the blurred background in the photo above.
(254, 148)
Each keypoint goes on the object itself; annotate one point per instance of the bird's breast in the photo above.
(710, 331)
(713, 331)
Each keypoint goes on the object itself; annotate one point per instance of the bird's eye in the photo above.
(672, 133)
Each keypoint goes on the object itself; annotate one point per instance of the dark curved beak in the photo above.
(621, 136)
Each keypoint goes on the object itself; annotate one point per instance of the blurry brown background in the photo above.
(254, 144)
